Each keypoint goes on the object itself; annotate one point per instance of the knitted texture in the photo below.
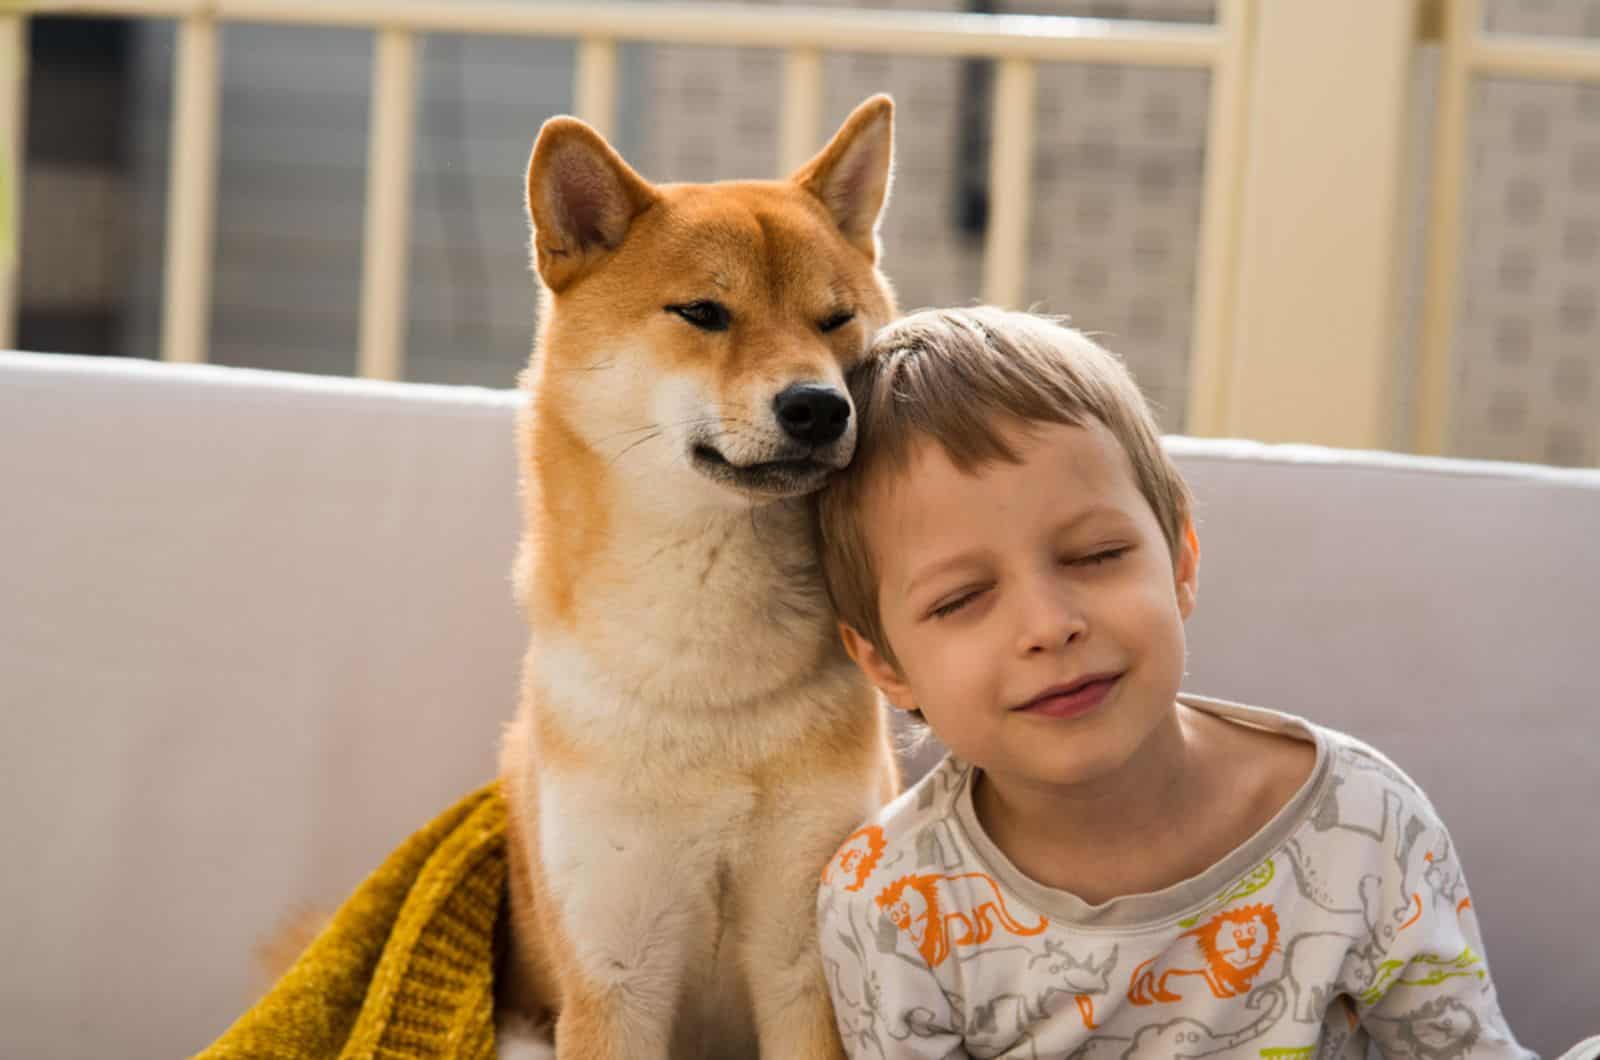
(406, 967)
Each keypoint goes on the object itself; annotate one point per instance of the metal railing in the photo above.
(1246, 273)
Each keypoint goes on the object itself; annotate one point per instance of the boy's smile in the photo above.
(1035, 608)
(1072, 699)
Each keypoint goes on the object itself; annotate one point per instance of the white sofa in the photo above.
(255, 628)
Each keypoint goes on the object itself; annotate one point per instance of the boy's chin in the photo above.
(1092, 759)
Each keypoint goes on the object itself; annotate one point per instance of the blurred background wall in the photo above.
(1118, 161)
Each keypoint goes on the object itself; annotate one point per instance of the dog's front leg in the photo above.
(633, 903)
(794, 1016)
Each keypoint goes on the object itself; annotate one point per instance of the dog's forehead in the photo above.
(758, 233)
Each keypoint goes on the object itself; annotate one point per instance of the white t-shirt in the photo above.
(1346, 917)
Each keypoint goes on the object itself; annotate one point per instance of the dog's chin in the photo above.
(767, 480)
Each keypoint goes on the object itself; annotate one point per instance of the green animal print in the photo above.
(1442, 968)
(1259, 877)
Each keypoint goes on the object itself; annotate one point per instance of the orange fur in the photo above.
(276, 953)
(692, 744)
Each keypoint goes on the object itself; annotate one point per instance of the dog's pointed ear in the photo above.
(851, 175)
(582, 198)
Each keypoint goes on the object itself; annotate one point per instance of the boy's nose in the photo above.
(1051, 621)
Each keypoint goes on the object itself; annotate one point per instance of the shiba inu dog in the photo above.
(692, 742)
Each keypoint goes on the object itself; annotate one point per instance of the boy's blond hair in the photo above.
(959, 377)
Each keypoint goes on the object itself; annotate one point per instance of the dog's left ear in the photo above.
(851, 175)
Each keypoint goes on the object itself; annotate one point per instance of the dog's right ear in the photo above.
(582, 198)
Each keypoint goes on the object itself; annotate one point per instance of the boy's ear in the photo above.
(851, 174)
(1186, 569)
(878, 669)
(582, 198)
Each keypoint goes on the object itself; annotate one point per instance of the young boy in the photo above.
(1102, 866)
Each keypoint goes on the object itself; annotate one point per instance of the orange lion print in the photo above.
(1228, 950)
(857, 857)
(920, 906)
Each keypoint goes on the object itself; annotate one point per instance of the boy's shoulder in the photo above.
(1359, 768)
(899, 837)
(1356, 796)
(1349, 759)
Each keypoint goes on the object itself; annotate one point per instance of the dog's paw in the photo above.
(516, 1037)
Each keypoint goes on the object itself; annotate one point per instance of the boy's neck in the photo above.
(1129, 832)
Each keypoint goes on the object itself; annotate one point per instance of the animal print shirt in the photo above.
(1344, 920)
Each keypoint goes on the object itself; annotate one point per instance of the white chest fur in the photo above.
(645, 875)
(686, 814)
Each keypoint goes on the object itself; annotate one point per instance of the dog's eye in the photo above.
(704, 314)
(837, 321)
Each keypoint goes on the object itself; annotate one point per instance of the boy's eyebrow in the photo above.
(936, 569)
(933, 570)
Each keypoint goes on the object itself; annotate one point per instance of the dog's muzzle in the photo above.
(814, 421)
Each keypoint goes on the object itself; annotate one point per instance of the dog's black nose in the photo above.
(812, 414)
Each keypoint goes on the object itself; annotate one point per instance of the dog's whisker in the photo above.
(634, 445)
(630, 430)
(692, 421)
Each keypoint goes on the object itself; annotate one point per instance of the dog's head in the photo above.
(697, 336)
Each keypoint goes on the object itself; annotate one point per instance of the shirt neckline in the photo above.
(1160, 908)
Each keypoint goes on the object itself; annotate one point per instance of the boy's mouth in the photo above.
(1072, 699)
(780, 478)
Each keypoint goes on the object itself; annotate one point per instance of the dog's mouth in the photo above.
(768, 478)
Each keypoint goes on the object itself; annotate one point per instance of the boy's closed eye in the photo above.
(950, 605)
(955, 603)
(1095, 559)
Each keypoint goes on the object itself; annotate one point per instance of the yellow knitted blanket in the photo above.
(406, 967)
